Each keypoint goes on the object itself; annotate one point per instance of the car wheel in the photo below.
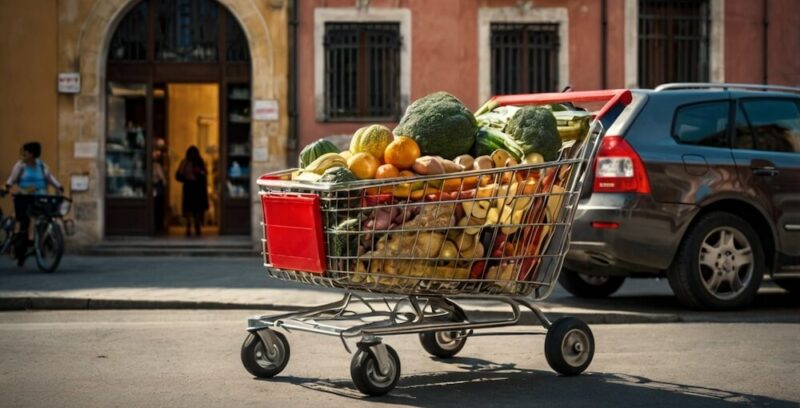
(719, 265)
(791, 285)
(589, 286)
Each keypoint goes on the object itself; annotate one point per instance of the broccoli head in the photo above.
(440, 124)
(534, 128)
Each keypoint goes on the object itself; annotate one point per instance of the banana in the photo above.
(325, 162)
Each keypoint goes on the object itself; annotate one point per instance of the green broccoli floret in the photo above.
(534, 128)
(440, 124)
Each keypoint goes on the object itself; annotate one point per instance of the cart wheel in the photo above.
(263, 362)
(569, 346)
(367, 376)
(443, 344)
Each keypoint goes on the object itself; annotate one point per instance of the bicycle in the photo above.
(48, 240)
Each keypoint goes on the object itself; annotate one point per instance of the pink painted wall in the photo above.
(744, 36)
(445, 53)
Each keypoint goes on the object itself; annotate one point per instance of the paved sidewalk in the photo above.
(241, 283)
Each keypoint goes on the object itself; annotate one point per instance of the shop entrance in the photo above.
(192, 120)
(178, 75)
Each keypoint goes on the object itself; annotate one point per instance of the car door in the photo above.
(767, 155)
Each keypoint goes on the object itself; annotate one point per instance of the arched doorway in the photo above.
(177, 74)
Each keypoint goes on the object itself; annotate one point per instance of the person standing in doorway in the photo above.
(193, 174)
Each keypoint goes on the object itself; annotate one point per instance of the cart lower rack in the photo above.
(409, 253)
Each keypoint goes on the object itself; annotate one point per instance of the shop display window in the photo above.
(126, 141)
(238, 146)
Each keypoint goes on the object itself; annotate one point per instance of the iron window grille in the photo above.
(129, 42)
(524, 57)
(362, 71)
(673, 41)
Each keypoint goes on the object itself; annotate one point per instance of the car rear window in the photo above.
(702, 124)
(769, 124)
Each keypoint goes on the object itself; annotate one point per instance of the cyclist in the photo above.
(32, 177)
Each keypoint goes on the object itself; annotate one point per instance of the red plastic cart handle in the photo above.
(611, 96)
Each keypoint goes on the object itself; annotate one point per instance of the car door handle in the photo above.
(767, 171)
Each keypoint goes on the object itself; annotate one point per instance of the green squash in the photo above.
(314, 150)
(337, 175)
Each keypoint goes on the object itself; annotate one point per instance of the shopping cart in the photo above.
(409, 253)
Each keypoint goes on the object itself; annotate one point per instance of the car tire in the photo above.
(706, 273)
(790, 285)
(589, 286)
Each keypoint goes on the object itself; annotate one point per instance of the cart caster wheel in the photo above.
(569, 346)
(265, 362)
(366, 373)
(443, 344)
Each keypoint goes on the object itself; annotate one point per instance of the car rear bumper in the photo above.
(636, 235)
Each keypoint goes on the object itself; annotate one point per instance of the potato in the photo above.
(477, 208)
(448, 251)
(472, 225)
(428, 165)
(510, 216)
(450, 166)
(475, 252)
(554, 201)
(465, 241)
(483, 163)
(499, 157)
(429, 244)
(465, 161)
(488, 191)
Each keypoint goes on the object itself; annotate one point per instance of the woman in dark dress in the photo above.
(193, 174)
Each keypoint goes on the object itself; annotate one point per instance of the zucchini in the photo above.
(488, 140)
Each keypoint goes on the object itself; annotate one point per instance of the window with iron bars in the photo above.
(524, 57)
(673, 41)
(362, 71)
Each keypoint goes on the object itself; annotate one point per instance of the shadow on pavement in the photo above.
(485, 383)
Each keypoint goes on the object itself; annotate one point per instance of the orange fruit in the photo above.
(387, 171)
(363, 165)
(402, 152)
(407, 174)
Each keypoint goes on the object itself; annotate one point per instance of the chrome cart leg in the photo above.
(537, 311)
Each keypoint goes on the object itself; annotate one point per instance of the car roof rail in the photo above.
(725, 86)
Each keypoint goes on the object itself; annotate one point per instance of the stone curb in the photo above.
(590, 317)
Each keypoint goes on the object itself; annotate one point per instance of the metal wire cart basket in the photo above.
(388, 245)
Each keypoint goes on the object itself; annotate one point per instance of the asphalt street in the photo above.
(191, 359)
(158, 282)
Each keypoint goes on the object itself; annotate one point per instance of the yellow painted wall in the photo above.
(28, 100)
(193, 111)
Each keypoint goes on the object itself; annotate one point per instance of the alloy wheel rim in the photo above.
(594, 280)
(725, 263)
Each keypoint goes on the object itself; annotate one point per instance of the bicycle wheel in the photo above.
(49, 246)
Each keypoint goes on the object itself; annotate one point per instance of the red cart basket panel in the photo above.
(293, 227)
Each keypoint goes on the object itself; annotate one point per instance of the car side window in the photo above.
(774, 124)
(703, 124)
(743, 134)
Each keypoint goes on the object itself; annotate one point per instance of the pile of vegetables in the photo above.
(450, 229)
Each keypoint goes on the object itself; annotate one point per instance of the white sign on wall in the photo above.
(85, 150)
(79, 182)
(266, 109)
(69, 82)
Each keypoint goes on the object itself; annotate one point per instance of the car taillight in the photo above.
(618, 169)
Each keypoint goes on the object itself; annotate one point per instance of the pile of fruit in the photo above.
(425, 223)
